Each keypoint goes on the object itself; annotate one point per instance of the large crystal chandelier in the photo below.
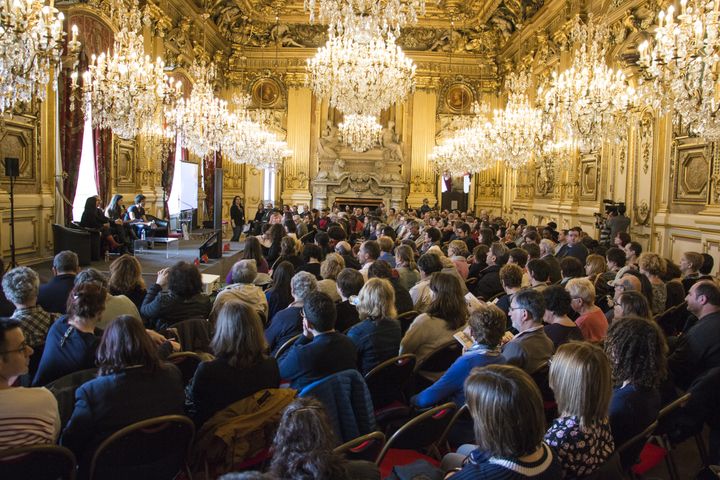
(361, 75)
(347, 16)
(682, 68)
(31, 43)
(470, 149)
(361, 132)
(589, 98)
(124, 89)
(202, 119)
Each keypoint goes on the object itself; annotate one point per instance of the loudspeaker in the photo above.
(12, 167)
(212, 246)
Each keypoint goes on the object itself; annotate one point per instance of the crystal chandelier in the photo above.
(348, 16)
(31, 37)
(682, 68)
(360, 132)
(361, 75)
(589, 98)
(203, 119)
(470, 149)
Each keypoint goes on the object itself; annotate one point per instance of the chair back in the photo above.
(37, 462)
(441, 358)
(672, 406)
(406, 319)
(285, 346)
(495, 297)
(387, 380)
(193, 334)
(366, 448)
(63, 389)
(187, 362)
(153, 448)
(462, 414)
(421, 432)
(630, 450)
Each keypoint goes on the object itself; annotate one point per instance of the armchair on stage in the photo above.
(83, 241)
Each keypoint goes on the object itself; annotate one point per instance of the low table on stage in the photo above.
(140, 246)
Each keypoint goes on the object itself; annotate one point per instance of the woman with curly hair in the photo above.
(637, 351)
(304, 443)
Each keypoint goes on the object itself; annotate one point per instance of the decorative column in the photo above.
(422, 174)
(295, 178)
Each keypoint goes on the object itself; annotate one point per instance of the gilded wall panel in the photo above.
(691, 170)
(20, 138)
(124, 162)
(27, 235)
(589, 176)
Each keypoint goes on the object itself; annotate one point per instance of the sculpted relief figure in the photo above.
(329, 143)
(391, 145)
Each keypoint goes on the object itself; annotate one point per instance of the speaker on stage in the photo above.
(212, 247)
(12, 167)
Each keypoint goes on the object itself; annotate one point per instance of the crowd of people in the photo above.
(619, 333)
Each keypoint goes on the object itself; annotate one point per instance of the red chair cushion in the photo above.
(650, 456)
(398, 456)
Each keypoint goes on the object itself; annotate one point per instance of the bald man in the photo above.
(626, 283)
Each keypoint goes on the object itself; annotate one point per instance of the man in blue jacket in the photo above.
(320, 351)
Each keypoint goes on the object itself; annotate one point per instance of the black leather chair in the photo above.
(75, 240)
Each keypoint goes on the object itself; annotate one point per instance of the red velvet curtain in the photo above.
(168, 172)
(72, 125)
(102, 141)
(209, 183)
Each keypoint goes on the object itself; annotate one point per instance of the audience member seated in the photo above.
(446, 315)
(368, 253)
(591, 320)
(498, 396)
(458, 252)
(321, 350)
(377, 336)
(329, 270)
(345, 250)
(53, 296)
(488, 280)
(652, 266)
(574, 246)
(539, 274)
(631, 304)
(636, 349)
(252, 250)
(479, 260)
(240, 367)
(73, 339)
(276, 233)
(530, 349)
(581, 381)
(632, 254)
(21, 286)
(570, 267)
(386, 245)
(403, 300)
(511, 277)
(708, 264)
(132, 385)
(595, 266)
(547, 254)
(408, 273)
(428, 264)
(288, 322)
(349, 284)
(29, 416)
(486, 327)
(288, 252)
(126, 279)
(278, 295)
(698, 350)
(311, 255)
(303, 447)
(243, 273)
(176, 296)
(115, 305)
(560, 329)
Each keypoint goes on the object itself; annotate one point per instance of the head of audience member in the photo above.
(304, 443)
(302, 285)
(571, 267)
(376, 300)
(369, 252)
(21, 286)
(511, 277)
(632, 252)
(532, 250)
(497, 255)
(497, 393)
(343, 248)
(244, 271)
(66, 263)
(672, 271)
(487, 237)
(547, 247)
(239, 337)
(539, 271)
(404, 257)
(91, 275)
(289, 225)
(184, 280)
(288, 247)
(432, 235)
(518, 256)
(276, 233)
(282, 275)
(487, 325)
(651, 265)
(690, 263)
(707, 265)
(637, 351)
(125, 275)
(86, 304)
(703, 298)
(14, 352)
(480, 254)
(621, 239)
(349, 282)
(458, 248)
(414, 228)
(615, 259)
(462, 230)
(380, 269)
(581, 379)
(531, 237)
(448, 302)
(125, 343)
(557, 303)
(562, 236)
(582, 293)
(595, 265)
(386, 244)
(632, 303)
(626, 283)
(331, 266)
(319, 313)
(311, 253)
(428, 264)
(527, 309)
(574, 236)
(336, 234)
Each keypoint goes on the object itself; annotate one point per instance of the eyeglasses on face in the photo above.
(516, 308)
(22, 349)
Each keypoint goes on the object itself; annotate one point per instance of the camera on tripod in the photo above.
(609, 207)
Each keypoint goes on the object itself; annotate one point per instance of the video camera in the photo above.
(609, 206)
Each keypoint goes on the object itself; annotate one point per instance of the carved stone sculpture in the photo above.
(392, 147)
(329, 143)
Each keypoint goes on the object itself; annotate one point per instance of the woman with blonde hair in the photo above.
(595, 265)
(126, 279)
(653, 266)
(458, 252)
(581, 379)
(377, 335)
(408, 273)
(592, 321)
(330, 268)
(240, 368)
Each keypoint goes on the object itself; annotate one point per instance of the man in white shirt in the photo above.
(28, 416)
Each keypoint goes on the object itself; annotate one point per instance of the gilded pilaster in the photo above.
(296, 169)
(423, 178)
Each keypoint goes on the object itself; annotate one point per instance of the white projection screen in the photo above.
(184, 194)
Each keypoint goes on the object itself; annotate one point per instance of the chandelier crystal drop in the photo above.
(360, 132)
(31, 43)
(681, 69)
(349, 16)
(125, 89)
(361, 76)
